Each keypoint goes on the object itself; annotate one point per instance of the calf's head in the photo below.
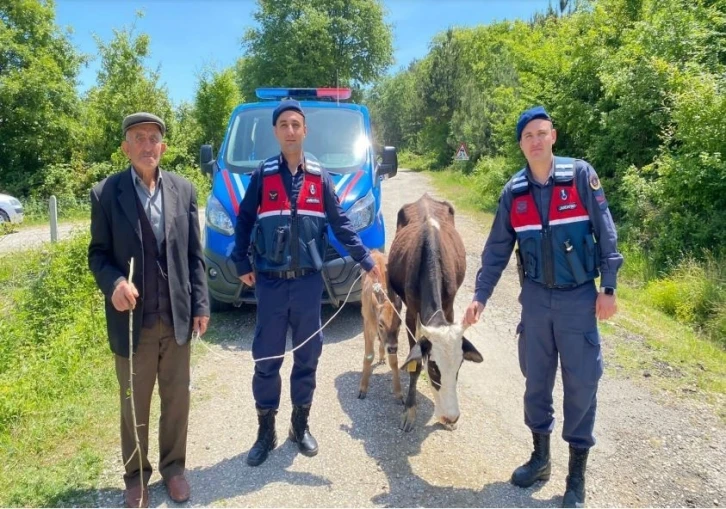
(389, 321)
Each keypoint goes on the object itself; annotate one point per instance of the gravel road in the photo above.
(653, 450)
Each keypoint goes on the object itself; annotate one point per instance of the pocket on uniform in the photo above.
(593, 338)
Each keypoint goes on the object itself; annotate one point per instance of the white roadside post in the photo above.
(53, 209)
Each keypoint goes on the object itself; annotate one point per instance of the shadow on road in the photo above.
(375, 423)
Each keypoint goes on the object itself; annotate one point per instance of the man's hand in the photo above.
(375, 273)
(124, 296)
(248, 279)
(472, 313)
(605, 306)
(200, 324)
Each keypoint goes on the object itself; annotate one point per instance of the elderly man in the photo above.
(150, 215)
(555, 210)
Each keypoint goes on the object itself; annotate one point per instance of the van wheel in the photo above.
(217, 306)
(4, 218)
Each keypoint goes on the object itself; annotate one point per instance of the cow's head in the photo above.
(443, 349)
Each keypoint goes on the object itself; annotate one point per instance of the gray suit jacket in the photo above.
(116, 238)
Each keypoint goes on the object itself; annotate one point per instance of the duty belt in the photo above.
(287, 274)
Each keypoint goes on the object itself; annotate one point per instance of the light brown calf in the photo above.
(381, 321)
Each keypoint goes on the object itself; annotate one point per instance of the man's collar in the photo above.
(137, 177)
(138, 181)
(530, 176)
(301, 166)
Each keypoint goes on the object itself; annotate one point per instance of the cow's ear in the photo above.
(417, 353)
(470, 351)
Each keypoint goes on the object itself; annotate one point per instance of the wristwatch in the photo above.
(608, 290)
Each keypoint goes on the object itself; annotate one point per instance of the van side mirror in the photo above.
(206, 159)
(388, 167)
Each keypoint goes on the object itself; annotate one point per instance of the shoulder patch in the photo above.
(312, 167)
(270, 166)
(595, 183)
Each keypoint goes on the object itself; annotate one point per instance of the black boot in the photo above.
(266, 437)
(575, 491)
(300, 433)
(538, 467)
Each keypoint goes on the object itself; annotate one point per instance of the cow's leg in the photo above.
(408, 418)
(370, 337)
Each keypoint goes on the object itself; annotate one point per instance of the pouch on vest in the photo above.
(312, 246)
(520, 266)
(279, 242)
(578, 271)
(257, 241)
(529, 250)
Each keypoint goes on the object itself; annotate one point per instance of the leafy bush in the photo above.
(491, 174)
(694, 293)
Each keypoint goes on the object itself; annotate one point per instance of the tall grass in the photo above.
(57, 389)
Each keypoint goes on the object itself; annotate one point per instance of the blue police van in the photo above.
(340, 137)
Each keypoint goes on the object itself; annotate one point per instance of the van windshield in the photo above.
(336, 137)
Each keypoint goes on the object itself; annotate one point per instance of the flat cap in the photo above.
(529, 115)
(142, 118)
(289, 104)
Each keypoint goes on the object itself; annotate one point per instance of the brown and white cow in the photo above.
(426, 265)
(380, 320)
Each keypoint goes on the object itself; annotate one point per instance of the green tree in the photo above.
(217, 95)
(39, 106)
(124, 85)
(316, 43)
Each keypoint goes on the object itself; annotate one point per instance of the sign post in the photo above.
(462, 154)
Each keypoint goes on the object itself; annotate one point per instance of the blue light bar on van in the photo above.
(339, 94)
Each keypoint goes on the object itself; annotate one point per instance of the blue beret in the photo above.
(529, 115)
(289, 104)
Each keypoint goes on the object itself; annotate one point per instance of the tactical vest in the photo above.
(290, 236)
(562, 253)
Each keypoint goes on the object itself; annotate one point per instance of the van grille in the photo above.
(331, 254)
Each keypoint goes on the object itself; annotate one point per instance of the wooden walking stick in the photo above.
(131, 393)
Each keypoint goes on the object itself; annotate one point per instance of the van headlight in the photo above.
(362, 213)
(217, 217)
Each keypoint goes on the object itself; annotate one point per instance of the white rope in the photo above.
(378, 288)
(317, 331)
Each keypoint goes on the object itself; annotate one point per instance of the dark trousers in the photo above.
(158, 355)
(283, 303)
(560, 323)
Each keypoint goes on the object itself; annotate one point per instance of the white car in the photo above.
(11, 210)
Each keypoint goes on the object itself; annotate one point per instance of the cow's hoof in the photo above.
(362, 394)
(408, 419)
(399, 399)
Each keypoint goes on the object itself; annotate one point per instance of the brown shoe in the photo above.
(178, 488)
(133, 494)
